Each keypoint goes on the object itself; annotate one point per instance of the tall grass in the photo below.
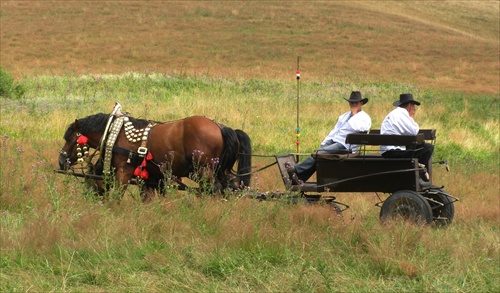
(57, 236)
(467, 124)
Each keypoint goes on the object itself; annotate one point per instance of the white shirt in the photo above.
(399, 122)
(359, 122)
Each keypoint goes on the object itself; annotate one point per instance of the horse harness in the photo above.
(137, 158)
(107, 146)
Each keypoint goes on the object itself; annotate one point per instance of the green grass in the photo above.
(57, 236)
(466, 124)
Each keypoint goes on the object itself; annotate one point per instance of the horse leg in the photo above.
(218, 187)
(95, 185)
(147, 193)
(117, 189)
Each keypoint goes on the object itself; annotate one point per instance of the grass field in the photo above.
(235, 62)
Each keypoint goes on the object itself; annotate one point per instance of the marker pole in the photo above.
(297, 130)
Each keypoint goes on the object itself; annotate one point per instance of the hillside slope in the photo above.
(447, 45)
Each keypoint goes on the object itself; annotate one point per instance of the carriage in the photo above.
(367, 171)
(134, 150)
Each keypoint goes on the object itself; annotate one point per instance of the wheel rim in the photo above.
(406, 211)
(408, 205)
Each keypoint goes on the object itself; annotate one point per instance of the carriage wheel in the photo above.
(407, 204)
(442, 214)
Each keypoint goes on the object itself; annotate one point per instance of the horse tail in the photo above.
(244, 157)
(229, 153)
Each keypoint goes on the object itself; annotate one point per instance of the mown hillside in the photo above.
(445, 45)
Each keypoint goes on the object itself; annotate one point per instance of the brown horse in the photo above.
(140, 148)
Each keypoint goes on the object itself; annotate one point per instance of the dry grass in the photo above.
(186, 243)
(447, 45)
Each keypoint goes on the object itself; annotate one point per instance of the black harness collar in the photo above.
(134, 158)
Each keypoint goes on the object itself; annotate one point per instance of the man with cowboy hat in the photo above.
(400, 122)
(355, 120)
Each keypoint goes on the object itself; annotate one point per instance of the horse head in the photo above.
(81, 136)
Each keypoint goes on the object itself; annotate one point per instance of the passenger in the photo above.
(355, 120)
(400, 121)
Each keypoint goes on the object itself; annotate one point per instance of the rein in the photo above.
(258, 170)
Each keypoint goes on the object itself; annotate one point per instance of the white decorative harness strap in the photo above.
(116, 120)
(110, 142)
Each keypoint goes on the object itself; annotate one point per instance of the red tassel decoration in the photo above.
(145, 174)
(82, 139)
(141, 170)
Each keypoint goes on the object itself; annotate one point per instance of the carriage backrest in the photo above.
(370, 143)
(381, 139)
(429, 134)
(374, 138)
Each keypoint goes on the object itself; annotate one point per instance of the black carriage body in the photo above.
(367, 174)
(366, 170)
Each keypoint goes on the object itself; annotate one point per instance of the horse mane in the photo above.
(139, 123)
(97, 123)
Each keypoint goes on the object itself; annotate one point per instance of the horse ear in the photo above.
(75, 126)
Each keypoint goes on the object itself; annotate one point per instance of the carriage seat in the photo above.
(429, 134)
(380, 139)
(345, 175)
(338, 156)
(374, 138)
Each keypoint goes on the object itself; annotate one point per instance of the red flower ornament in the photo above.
(82, 139)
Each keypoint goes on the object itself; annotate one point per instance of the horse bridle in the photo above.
(82, 151)
(65, 153)
(85, 147)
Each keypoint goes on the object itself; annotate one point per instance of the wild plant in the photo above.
(168, 183)
(204, 174)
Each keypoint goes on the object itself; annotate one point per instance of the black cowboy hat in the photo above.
(356, 97)
(405, 99)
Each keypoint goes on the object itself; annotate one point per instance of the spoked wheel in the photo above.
(443, 209)
(408, 205)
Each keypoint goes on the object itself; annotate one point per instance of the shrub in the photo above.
(8, 88)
